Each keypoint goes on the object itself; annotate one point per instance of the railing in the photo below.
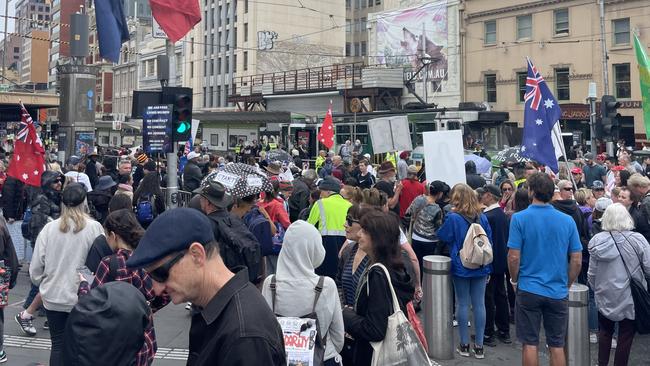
(182, 198)
(339, 76)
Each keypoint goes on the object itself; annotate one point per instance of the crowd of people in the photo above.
(296, 240)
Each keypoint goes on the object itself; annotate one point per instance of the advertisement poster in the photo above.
(84, 143)
(299, 340)
(157, 129)
(406, 35)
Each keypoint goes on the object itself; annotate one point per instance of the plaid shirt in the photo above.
(143, 282)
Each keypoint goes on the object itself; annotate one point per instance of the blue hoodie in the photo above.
(453, 232)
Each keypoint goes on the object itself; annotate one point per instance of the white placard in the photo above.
(444, 156)
(227, 179)
(390, 134)
(253, 181)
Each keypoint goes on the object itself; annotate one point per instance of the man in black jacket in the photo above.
(192, 175)
(235, 325)
(496, 299)
(566, 204)
(91, 169)
(302, 188)
(474, 180)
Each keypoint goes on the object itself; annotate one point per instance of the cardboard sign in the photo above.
(390, 134)
(444, 156)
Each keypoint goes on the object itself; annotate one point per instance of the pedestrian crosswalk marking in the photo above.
(179, 354)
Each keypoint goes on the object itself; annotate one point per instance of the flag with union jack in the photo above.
(542, 138)
(28, 160)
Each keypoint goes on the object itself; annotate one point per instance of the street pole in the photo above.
(603, 46)
(172, 159)
(592, 116)
(4, 52)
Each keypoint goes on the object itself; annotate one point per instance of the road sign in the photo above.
(158, 32)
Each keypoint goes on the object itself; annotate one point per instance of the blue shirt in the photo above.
(545, 237)
(453, 232)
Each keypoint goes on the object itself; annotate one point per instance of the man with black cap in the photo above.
(328, 214)
(235, 325)
(239, 247)
(496, 300)
(192, 174)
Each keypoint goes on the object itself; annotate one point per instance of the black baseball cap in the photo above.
(173, 231)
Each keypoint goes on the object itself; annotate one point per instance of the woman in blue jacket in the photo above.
(469, 284)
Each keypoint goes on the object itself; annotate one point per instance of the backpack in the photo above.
(477, 250)
(303, 341)
(145, 209)
(24, 227)
(238, 246)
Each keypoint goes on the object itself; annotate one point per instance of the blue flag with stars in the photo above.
(542, 137)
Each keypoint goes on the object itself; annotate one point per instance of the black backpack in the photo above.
(238, 246)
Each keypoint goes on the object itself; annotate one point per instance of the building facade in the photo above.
(35, 52)
(60, 33)
(563, 40)
(12, 47)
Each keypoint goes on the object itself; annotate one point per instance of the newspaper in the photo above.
(299, 340)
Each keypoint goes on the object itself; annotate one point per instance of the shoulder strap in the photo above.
(621, 255)
(390, 284)
(273, 293)
(318, 289)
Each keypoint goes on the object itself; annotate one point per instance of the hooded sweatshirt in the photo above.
(302, 252)
(607, 275)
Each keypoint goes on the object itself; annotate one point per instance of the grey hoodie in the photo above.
(607, 275)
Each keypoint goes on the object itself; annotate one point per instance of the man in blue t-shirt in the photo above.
(540, 239)
(593, 171)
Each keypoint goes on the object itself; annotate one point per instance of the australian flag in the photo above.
(112, 29)
(542, 139)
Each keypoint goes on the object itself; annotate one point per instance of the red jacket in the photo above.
(411, 188)
(277, 212)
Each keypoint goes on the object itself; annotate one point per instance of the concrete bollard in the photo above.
(438, 312)
(577, 339)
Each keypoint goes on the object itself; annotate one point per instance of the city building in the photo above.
(356, 27)
(12, 46)
(563, 40)
(35, 52)
(60, 33)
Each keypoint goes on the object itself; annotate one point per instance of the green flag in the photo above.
(644, 80)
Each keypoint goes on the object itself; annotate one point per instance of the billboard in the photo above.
(406, 35)
(157, 129)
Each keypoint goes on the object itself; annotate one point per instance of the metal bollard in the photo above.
(577, 339)
(438, 312)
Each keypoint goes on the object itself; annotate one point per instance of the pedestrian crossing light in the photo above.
(181, 99)
(609, 115)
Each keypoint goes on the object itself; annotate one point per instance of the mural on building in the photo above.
(295, 53)
(405, 36)
(265, 40)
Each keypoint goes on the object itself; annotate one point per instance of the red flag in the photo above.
(28, 161)
(176, 17)
(326, 132)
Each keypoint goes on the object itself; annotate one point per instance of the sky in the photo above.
(10, 26)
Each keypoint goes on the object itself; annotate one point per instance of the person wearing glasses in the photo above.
(60, 249)
(507, 190)
(235, 325)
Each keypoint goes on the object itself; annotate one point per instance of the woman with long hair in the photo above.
(469, 284)
(149, 188)
(616, 254)
(367, 321)
(123, 233)
(507, 190)
(61, 249)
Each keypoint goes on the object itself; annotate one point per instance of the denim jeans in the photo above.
(30, 297)
(470, 291)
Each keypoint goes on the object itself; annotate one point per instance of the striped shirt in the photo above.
(350, 280)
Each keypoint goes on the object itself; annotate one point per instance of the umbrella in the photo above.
(483, 165)
(278, 155)
(241, 180)
(510, 155)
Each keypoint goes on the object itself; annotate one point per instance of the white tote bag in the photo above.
(401, 345)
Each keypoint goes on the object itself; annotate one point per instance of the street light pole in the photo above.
(592, 116)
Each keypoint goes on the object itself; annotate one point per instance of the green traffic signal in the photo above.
(183, 127)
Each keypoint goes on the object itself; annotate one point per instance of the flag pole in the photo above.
(566, 161)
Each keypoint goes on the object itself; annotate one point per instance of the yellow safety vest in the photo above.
(319, 162)
(330, 213)
(273, 145)
(392, 157)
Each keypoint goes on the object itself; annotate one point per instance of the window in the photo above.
(491, 88)
(227, 64)
(234, 63)
(561, 21)
(214, 139)
(245, 60)
(348, 49)
(364, 24)
(212, 68)
(371, 3)
(151, 67)
(245, 32)
(490, 32)
(562, 84)
(524, 27)
(219, 65)
(245, 6)
(218, 96)
(16, 49)
(205, 68)
(621, 31)
(348, 25)
(192, 69)
(364, 48)
(348, 4)
(357, 49)
(521, 85)
(211, 97)
(205, 45)
(377, 2)
(192, 45)
(622, 80)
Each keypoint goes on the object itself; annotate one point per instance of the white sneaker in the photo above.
(454, 323)
(593, 338)
(188, 306)
(613, 342)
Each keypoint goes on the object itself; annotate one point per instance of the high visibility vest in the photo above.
(273, 145)
(330, 213)
(519, 181)
(237, 149)
(392, 157)
(319, 162)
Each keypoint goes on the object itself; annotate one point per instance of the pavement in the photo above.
(172, 327)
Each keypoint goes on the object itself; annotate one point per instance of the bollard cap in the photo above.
(437, 263)
(579, 293)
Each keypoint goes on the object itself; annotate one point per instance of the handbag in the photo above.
(417, 325)
(401, 345)
(640, 296)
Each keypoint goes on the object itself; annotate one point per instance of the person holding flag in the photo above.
(28, 161)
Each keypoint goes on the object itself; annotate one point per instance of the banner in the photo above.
(451, 168)
(406, 35)
(644, 81)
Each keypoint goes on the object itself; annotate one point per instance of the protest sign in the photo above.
(444, 156)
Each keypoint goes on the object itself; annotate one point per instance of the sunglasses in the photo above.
(350, 221)
(568, 189)
(506, 190)
(161, 274)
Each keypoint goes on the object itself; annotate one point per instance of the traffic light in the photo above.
(609, 115)
(181, 99)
